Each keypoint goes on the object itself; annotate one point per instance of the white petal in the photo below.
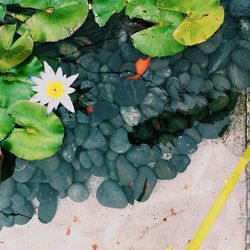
(49, 108)
(59, 73)
(67, 103)
(71, 79)
(37, 80)
(47, 69)
(69, 90)
(38, 88)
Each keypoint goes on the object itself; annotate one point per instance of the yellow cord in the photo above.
(219, 202)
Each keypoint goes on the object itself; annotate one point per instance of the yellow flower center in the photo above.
(55, 89)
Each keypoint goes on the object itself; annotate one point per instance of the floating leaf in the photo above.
(30, 67)
(157, 41)
(104, 9)
(39, 137)
(2, 12)
(55, 20)
(13, 90)
(6, 124)
(12, 55)
(202, 21)
(194, 31)
(6, 2)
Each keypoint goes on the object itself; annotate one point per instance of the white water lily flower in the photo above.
(53, 88)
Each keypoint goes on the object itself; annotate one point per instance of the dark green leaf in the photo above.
(6, 124)
(13, 90)
(104, 9)
(157, 41)
(12, 55)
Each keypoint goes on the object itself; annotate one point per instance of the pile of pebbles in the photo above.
(140, 130)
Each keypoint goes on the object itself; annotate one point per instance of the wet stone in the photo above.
(180, 162)
(99, 172)
(78, 192)
(211, 44)
(18, 200)
(238, 77)
(4, 202)
(245, 29)
(193, 133)
(76, 164)
(218, 101)
(106, 91)
(119, 141)
(229, 28)
(81, 132)
(158, 64)
(106, 128)
(61, 178)
(186, 144)
(26, 212)
(46, 193)
(110, 194)
(130, 92)
(81, 175)
(112, 170)
(7, 187)
(184, 78)
(24, 170)
(115, 62)
(220, 82)
(47, 211)
(140, 155)
(68, 152)
(104, 110)
(117, 121)
(221, 56)
(128, 53)
(164, 170)
(164, 73)
(84, 160)
(144, 183)
(241, 57)
(196, 56)
(240, 8)
(131, 115)
(181, 65)
(126, 172)
(96, 157)
(95, 139)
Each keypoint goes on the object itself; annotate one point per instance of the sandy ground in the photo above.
(170, 217)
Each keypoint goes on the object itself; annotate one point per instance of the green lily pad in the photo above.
(55, 20)
(6, 124)
(188, 7)
(30, 67)
(2, 12)
(6, 2)
(12, 90)
(12, 55)
(197, 30)
(104, 9)
(202, 21)
(40, 135)
(157, 41)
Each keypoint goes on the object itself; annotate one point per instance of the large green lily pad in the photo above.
(157, 40)
(39, 136)
(202, 21)
(12, 90)
(30, 67)
(55, 19)
(12, 55)
(6, 124)
(2, 12)
(104, 9)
